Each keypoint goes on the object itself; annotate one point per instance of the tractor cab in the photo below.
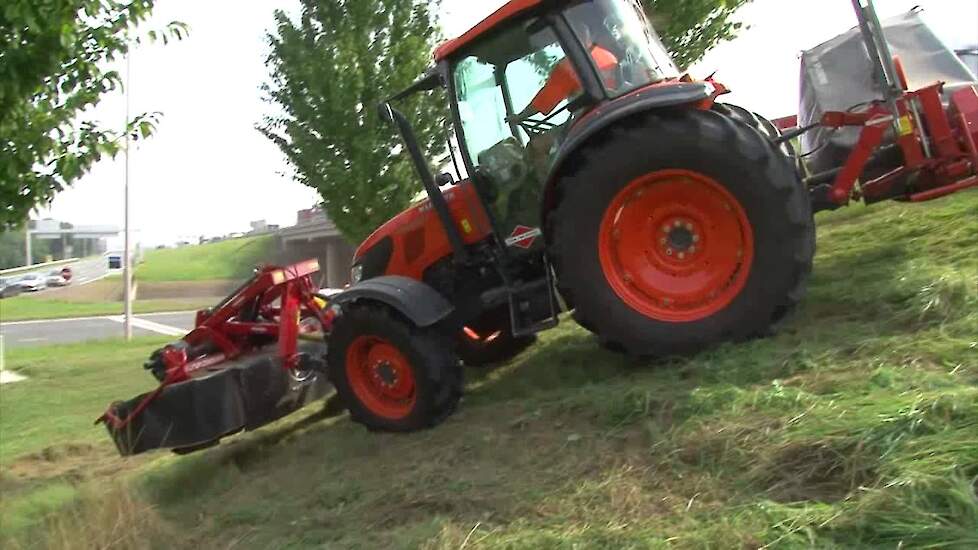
(520, 83)
(519, 90)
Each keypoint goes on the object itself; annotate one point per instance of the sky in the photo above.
(208, 172)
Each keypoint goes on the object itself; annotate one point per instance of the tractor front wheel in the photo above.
(390, 374)
(679, 230)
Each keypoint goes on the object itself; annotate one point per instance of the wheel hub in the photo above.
(681, 238)
(676, 245)
(385, 373)
(381, 376)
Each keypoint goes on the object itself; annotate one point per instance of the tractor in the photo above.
(591, 177)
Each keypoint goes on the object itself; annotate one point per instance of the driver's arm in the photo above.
(561, 85)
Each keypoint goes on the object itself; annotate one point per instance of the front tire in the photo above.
(390, 374)
(678, 230)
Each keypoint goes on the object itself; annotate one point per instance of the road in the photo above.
(82, 272)
(63, 331)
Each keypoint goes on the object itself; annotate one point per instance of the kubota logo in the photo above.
(523, 236)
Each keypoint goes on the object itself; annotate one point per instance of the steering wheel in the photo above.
(537, 127)
(534, 127)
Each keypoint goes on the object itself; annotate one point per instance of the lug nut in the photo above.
(696, 238)
(668, 252)
(682, 255)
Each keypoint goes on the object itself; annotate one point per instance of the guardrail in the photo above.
(27, 269)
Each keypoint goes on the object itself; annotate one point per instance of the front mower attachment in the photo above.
(242, 367)
(243, 395)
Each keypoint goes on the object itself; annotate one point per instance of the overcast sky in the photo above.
(208, 172)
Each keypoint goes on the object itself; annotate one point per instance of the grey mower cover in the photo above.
(838, 75)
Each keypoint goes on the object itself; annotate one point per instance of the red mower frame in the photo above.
(284, 296)
(938, 145)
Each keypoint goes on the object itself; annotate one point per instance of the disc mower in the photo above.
(591, 176)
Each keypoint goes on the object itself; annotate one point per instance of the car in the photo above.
(9, 288)
(32, 282)
(56, 278)
(115, 259)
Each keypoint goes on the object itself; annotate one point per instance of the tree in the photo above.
(52, 69)
(690, 28)
(13, 252)
(330, 68)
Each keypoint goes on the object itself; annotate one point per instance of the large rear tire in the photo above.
(392, 375)
(678, 230)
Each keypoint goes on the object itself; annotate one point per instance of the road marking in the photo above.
(28, 340)
(90, 318)
(99, 278)
(7, 377)
(150, 326)
(162, 313)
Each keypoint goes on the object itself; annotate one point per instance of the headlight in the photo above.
(356, 273)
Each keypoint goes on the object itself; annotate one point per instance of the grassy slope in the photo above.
(232, 259)
(856, 426)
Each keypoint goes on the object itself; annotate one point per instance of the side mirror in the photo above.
(386, 113)
(444, 179)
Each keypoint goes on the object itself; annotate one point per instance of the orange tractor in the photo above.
(602, 181)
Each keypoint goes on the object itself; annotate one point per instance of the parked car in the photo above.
(32, 282)
(9, 288)
(56, 278)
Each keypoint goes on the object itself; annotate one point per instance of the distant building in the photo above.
(68, 240)
(315, 236)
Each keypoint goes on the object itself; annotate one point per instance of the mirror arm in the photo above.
(391, 115)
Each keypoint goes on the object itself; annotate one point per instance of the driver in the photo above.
(563, 83)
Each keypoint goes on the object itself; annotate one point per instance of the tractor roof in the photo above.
(510, 10)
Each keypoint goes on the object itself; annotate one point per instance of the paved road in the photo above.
(62, 331)
(82, 272)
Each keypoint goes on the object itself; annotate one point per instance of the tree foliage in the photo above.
(53, 55)
(330, 69)
(690, 28)
(13, 252)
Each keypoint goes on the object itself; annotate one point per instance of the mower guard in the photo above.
(243, 396)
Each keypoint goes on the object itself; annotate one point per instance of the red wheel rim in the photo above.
(676, 246)
(381, 377)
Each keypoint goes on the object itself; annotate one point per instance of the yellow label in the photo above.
(906, 127)
(466, 226)
(278, 277)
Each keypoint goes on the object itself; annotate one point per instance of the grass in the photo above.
(49, 445)
(855, 427)
(231, 259)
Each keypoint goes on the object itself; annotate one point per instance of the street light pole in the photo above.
(126, 257)
(27, 245)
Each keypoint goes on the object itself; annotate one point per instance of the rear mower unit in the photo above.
(591, 176)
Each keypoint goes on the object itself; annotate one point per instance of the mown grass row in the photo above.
(856, 426)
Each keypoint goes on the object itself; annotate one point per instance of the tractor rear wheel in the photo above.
(678, 230)
(390, 374)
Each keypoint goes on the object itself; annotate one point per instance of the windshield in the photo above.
(513, 93)
(621, 28)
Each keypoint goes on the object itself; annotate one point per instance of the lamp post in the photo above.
(126, 257)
